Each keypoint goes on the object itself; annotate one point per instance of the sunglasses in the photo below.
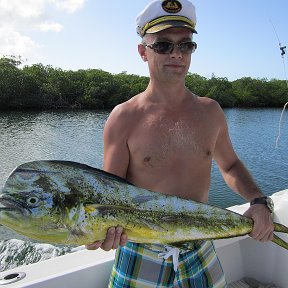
(164, 47)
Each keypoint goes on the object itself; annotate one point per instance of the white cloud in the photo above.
(14, 43)
(49, 26)
(20, 15)
(18, 18)
(69, 6)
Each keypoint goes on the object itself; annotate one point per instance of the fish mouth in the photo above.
(9, 204)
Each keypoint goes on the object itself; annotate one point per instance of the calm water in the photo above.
(77, 136)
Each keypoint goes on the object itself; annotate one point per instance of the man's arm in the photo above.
(116, 161)
(240, 180)
(116, 151)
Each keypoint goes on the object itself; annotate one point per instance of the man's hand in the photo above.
(263, 223)
(114, 238)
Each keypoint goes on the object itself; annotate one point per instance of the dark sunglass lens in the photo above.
(186, 47)
(163, 47)
(168, 47)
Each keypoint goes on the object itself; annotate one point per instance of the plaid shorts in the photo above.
(139, 266)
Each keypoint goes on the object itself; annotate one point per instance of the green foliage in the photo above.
(44, 87)
(260, 92)
(198, 84)
(13, 84)
(221, 91)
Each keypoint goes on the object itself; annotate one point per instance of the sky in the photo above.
(235, 38)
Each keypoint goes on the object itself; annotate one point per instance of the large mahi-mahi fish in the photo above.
(64, 202)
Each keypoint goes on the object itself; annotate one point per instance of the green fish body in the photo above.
(67, 203)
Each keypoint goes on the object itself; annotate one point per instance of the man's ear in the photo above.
(142, 52)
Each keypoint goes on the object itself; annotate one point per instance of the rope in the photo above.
(285, 73)
(280, 124)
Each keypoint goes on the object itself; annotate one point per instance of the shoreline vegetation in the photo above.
(40, 87)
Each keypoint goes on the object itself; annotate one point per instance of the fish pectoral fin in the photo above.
(152, 225)
(172, 218)
(181, 219)
(277, 240)
(143, 199)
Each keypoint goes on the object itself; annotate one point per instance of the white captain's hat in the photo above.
(159, 15)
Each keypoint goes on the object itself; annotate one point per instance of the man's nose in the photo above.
(176, 52)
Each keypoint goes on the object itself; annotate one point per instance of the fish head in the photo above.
(34, 204)
(24, 205)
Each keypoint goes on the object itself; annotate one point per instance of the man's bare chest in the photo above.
(164, 139)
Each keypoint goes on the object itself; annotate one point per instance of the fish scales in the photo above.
(64, 202)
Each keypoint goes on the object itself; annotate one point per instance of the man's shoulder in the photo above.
(210, 110)
(126, 111)
(208, 103)
(128, 107)
(206, 100)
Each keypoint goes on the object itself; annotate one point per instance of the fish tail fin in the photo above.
(277, 240)
(280, 228)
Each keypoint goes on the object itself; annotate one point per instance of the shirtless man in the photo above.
(164, 139)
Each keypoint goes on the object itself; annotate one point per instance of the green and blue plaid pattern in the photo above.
(139, 266)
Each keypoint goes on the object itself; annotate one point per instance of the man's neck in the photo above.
(167, 93)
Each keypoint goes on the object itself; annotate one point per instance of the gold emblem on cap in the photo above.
(171, 6)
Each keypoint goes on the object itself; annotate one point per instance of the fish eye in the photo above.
(33, 200)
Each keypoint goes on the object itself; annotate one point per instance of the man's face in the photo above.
(171, 66)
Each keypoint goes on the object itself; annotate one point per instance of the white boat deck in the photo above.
(83, 269)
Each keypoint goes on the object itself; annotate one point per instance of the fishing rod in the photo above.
(283, 53)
